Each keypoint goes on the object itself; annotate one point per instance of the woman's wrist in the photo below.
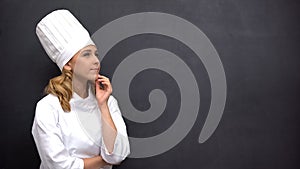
(103, 106)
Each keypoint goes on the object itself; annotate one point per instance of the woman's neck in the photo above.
(80, 87)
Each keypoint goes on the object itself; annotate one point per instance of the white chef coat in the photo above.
(61, 139)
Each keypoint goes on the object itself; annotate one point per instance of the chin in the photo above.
(92, 77)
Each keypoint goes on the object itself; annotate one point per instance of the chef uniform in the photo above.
(64, 138)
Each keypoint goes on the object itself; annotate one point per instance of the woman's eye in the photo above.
(86, 54)
(96, 54)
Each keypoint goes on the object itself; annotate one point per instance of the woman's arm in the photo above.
(121, 148)
(109, 130)
(115, 143)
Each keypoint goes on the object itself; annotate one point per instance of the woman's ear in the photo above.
(68, 66)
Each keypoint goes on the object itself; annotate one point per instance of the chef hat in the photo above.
(62, 36)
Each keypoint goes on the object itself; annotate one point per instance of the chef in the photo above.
(78, 124)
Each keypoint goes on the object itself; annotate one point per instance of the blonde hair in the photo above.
(61, 86)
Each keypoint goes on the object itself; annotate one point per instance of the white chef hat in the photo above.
(62, 36)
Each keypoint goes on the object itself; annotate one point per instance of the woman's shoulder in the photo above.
(47, 109)
(50, 100)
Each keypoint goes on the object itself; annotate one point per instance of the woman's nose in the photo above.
(96, 60)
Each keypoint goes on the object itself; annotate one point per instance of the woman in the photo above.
(78, 123)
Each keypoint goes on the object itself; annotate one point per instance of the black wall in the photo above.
(258, 43)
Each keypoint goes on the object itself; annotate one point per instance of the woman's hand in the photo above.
(94, 162)
(102, 91)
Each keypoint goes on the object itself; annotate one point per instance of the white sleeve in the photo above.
(121, 146)
(48, 139)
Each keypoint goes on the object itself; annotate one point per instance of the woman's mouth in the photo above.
(97, 69)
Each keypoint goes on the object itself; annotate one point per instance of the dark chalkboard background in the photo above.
(258, 43)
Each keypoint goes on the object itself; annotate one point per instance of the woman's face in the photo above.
(85, 64)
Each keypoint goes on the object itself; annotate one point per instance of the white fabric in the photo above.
(62, 36)
(61, 140)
